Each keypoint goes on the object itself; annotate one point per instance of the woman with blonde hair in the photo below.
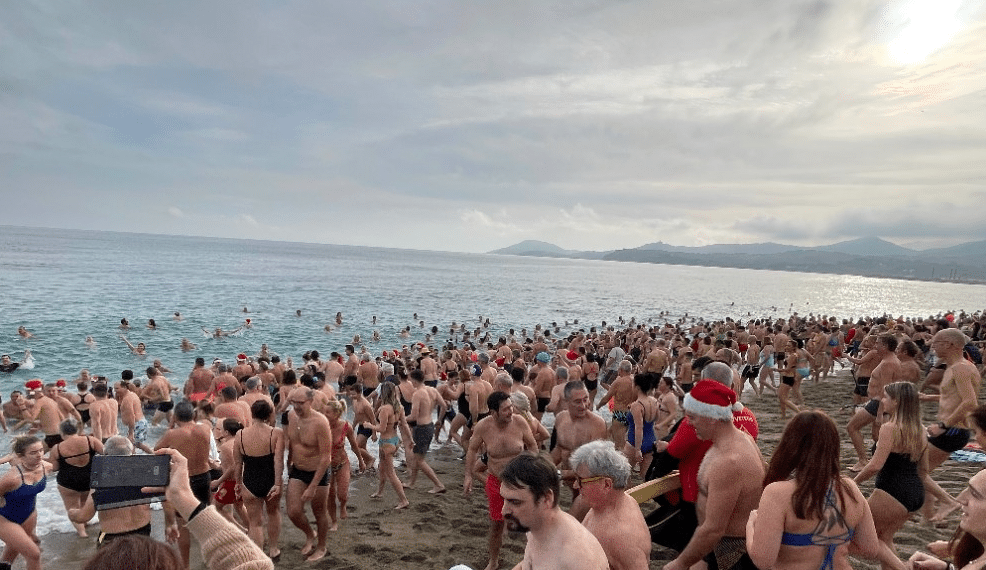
(339, 469)
(522, 406)
(389, 415)
(900, 464)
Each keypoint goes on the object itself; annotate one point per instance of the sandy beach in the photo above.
(437, 532)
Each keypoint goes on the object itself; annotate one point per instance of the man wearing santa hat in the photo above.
(729, 482)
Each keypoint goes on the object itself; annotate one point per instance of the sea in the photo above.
(66, 285)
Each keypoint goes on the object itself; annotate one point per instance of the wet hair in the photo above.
(200, 361)
(289, 377)
(494, 400)
(261, 410)
(232, 425)
(184, 411)
(601, 458)
(135, 551)
(909, 348)
(572, 386)
(127, 375)
(907, 416)
(229, 393)
(68, 427)
(151, 371)
(100, 389)
(809, 452)
(252, 383)
(535, 473)
(22, 442)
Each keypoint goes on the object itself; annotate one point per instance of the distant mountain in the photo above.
(867, 246)
(532, 247)
(868, 256)
(747, 248)
(971, 248)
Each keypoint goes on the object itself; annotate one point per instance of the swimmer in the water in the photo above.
(297, 313)
(219, 333)
(23, 332)
(90, 342)
(151, 324)
(248, 324)
(124, 324)
(177, 316)
(187, 345)
(139, 349)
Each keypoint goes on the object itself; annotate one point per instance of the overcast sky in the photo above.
(469, 126)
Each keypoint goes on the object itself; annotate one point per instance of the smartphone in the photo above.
(117, 480)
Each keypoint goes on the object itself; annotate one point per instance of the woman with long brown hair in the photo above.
(810, 517)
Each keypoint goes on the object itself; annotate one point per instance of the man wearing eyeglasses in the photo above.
(614, 518)
(309, 457)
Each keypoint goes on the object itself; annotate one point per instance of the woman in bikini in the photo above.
(388, 416)
(809, 513)
(259, 454)
(19, 488)
(339, 469)
(900, 464)
(73, 460)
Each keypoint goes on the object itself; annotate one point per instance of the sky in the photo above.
(464, 126)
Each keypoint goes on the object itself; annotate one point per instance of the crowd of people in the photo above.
(248, 433)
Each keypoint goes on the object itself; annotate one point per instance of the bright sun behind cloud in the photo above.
(926, 26)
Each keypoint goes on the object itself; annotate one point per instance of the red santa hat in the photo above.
(34, 384)
(711, 399)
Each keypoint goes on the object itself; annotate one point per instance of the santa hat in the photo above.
(711, 399)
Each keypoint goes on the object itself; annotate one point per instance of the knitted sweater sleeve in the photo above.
(225, 547)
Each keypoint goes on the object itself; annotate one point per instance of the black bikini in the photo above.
(258, 471)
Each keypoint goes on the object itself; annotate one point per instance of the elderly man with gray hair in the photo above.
(114, 523)
(614, 518)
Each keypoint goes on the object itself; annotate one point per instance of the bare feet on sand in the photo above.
(317, 555)
(403, 505)
(309, 545)
(437, 490)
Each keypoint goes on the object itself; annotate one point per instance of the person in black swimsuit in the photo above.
(261, 476)
(73, 459)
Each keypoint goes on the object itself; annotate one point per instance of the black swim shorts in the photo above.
(954, 442)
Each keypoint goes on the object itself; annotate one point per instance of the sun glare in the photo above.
(926, 26)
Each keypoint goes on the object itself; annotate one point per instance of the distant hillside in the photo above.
(867, 246)
(868, 256)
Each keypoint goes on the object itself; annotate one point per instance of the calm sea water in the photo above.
(64, 285)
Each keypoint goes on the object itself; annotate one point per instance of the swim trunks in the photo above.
(751, 371)
(953, 442)
(140, 431)
(621, 416)
(543, 404)
(422, 435)
(872, 407)
(226, 493)
(494, 497)
(591, 385)
(53, 440)
(729, 554)
(165, 406)
(432, 383)
(364, 431)
(104, 538)
(307, 477)
(862, 386)
(201, 486)
(368, 391)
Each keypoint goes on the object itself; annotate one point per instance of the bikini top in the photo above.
(833, 521)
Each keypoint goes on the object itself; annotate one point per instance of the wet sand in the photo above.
(437, 532)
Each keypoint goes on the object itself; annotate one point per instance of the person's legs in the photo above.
(74, 500)
(888, 517)
(321, 523)
(255, 518)
(387, 469)
(18, 540)
(495, 542)
(273, 526)
(854, 428)
(296, 512)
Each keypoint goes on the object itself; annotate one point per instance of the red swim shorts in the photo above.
(494, 497)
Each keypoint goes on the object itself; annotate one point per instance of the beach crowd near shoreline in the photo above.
(260, 427)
